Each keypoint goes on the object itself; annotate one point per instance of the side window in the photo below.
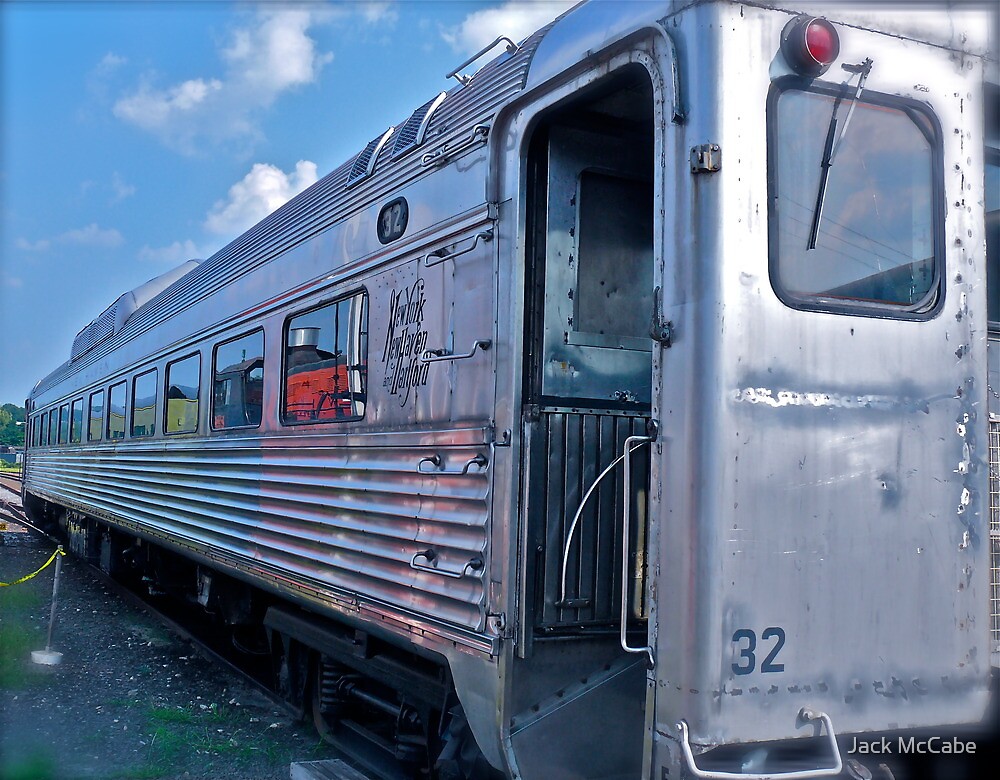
(238, 382)
(326, 363)
(859, 229)
(144, 404)
(96, 416)
(64, 423)
(116, 411)
(43, 434)
(183, 384)
(76, 421)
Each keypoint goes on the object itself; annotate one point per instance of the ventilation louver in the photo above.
(411, 134)
(364, 163)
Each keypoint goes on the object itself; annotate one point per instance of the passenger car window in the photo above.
(326, 363)
(45, 428)
(877, 220)
(238, 382)
(76, 421)
(144, 404)
(96, 416)
(183, 384)
(116, 412)
(64, 423)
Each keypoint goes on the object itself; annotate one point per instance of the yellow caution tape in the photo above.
(59, 551)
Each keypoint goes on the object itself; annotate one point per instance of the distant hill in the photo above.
(11, 432)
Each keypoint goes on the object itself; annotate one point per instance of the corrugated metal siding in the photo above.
(995, 537)
(342, 519)
(328, 201)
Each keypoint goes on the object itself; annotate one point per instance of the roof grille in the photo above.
(98, 330)
(364, 163)
(412, 133)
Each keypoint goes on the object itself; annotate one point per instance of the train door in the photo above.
(587, 400)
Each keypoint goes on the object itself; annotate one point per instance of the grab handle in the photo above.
(436, 461)
(627, 512)
(476, 564)
(436, 355)
(806, 715)
(432, 259)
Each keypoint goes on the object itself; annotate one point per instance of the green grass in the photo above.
(39, 767)
(16, 639)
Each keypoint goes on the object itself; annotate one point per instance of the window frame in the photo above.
(156, 398)
(166, 391)
(63, 430)
(212, 367)
(932, 303)
(330, 301)
(72, 419)
(107, 416)
(90, 415)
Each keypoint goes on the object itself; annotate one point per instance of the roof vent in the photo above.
(364, 163)
(412, 133)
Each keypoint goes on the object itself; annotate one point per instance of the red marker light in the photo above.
(810, 45)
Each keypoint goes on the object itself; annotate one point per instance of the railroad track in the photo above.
(11, 482)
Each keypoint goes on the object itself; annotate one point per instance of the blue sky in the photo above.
(135, 136)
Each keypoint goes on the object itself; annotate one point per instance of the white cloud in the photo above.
(379, 13)
(91, 235)
(175, 254)
(516, 19)
(259, 193)
(33, 246)
(262, 61)
(121, 189)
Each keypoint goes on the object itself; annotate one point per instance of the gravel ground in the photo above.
(130, 700)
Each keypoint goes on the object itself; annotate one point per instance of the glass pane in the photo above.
(183, 378)
(144, 404)
(96, 415)
(76, 421)
(238, 382)
(875, 238)
(45, 429)
(116, 412)
(64, 423)
(326, 363)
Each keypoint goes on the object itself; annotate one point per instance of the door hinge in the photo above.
(706, 158)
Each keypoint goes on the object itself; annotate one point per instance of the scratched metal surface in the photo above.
(824, 476)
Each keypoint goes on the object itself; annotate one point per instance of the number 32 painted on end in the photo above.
(747, 654)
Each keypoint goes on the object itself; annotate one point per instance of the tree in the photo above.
(12, 433)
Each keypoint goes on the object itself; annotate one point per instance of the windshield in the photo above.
(876, 239)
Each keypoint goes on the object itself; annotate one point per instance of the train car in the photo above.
(620, 413)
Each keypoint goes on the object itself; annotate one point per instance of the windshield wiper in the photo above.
(833, 142)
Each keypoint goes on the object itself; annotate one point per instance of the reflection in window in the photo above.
(144, 404)
(326, 363)
(45, 428)
(877, 224)
(64, 423)
(96, 416)
(238, 382)
(183, 379)
(76, 421)
(116, 412)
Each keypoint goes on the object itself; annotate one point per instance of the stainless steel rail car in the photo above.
(620, 413)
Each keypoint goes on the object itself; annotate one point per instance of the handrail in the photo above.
(444, 153)
(512, 48)
(627, 512)
(436, 355)
(432, 259)
(475, 564)
(479, 460)
(805, 714)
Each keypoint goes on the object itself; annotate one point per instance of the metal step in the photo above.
(333, 769)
